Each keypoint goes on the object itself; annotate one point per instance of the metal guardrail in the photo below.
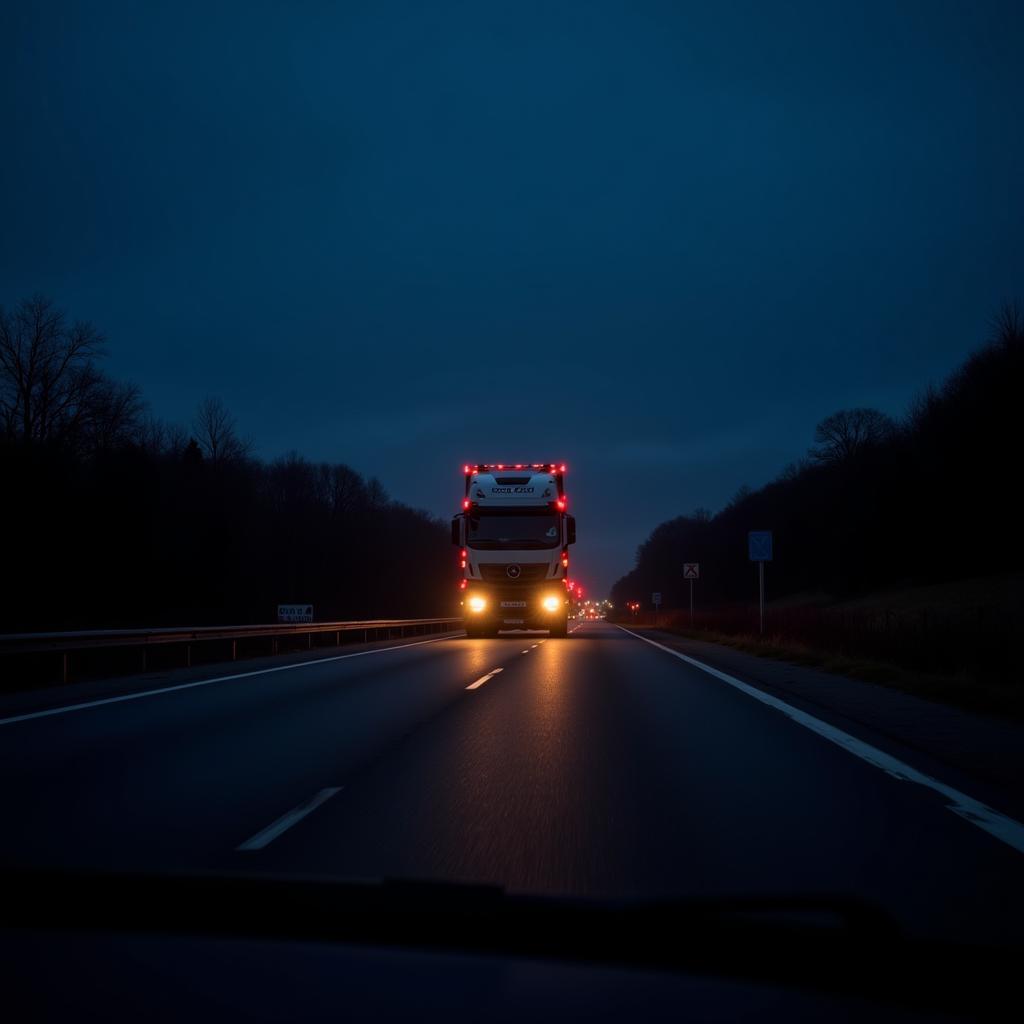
(67, 644)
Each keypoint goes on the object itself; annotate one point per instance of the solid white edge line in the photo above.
(999, 825)
(285, 822)
(483, 679)
(205, 682)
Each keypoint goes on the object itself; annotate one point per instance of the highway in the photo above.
(599, 765)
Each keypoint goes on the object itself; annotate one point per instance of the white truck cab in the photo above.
(514, 534)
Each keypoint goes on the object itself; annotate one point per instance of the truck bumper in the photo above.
(535, 607)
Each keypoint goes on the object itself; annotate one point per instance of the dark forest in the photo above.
(116, 519)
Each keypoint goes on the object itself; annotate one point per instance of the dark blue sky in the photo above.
(656, 240)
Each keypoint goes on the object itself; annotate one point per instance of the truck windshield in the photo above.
(518, 530)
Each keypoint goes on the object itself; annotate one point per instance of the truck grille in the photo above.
(529, 572)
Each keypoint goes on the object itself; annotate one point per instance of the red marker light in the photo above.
(563, 467)
(465, 502)
(565, 558)
(561, 503)
(463, 584)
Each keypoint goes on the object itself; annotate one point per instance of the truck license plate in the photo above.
(513, 622)
(513, 604)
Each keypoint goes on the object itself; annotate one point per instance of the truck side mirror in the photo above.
(457, 531)
(570, 529)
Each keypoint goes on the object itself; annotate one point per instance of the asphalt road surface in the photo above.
(599, 765)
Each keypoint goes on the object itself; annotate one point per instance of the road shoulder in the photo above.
(982, 754)
(41, 698)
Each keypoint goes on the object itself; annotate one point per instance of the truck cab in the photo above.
(514, 535)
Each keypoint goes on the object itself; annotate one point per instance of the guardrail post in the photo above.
(234, 650)
(188, 655)
(337, 638)
(65, 666)
(309, 641)
(273, 645)
(144, 659)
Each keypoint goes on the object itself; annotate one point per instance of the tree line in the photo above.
(876, 503)
(113, 517)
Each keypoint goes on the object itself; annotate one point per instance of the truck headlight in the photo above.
(551, 603)
(476, 604)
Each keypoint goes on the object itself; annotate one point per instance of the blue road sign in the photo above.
(759, 545)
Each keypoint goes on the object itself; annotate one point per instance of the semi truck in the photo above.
(513, 535)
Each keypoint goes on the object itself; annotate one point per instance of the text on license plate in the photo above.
(513, 604)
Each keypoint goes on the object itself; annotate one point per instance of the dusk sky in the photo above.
(658, 241)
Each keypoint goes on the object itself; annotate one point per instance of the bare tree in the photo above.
(1008, 325)
(845, 434)
(348, 490)
(111, 417)
(792, 470)
(375, 493)
(50, 387)
(743, 492)
(216, 432)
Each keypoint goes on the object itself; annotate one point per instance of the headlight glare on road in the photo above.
(477, 603)
(551, 603)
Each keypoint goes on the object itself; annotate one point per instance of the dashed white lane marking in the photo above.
(1009, 831)
(527, 651)
(285, 822)
(206, 682)
(483, 679)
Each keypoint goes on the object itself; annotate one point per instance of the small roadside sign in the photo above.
(759, 545)
(691, 572)
(759, 548)
(294, 613)
(656, 599)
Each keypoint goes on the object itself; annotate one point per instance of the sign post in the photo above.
(656, 601)
(759, 548)
(691, 572)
